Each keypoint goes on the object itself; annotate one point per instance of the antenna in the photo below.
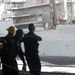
(53, 10)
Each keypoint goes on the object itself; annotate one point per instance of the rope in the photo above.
(24, 69)
(9, 66)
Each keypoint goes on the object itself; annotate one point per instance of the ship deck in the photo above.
(43, 73)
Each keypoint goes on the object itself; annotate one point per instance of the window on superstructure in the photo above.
(39, 17)
(7, 19)
(14, 5)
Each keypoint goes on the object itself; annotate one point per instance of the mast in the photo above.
(54, 18)
(2, 1)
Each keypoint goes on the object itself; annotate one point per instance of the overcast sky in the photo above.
(18, 0)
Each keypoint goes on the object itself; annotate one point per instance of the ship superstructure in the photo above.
(26, 12)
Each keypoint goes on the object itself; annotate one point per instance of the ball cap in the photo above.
(12, 29)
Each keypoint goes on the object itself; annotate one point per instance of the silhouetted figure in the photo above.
(18, 49)
(31, 50)
(9, 64)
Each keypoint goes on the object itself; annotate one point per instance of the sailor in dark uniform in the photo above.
(11, 48)
(31, 50)
(9, 64)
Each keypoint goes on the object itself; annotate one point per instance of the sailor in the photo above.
(9, 64)
(18, 49)
(31, 50)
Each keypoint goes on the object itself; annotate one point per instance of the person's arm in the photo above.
(2, 40)
(38, 38)
(21, 55)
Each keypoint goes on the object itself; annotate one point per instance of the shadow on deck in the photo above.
(43, 73)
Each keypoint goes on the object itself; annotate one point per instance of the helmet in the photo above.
(12, 29)
(31, 26)
(19, 32)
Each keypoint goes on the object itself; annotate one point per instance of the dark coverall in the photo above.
(9, 64)
(31, 52)
(18, 49)
(9, 52)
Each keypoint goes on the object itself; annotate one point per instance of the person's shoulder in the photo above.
(9, 37)
(36, 35)
(39, 38)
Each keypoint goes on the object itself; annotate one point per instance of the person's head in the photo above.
(12, 30)
(19, 33)
(31, 27)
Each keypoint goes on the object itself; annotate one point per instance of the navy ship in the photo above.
(57, 48)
